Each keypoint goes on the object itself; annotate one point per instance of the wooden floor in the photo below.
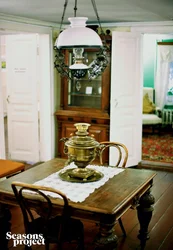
(161, 225)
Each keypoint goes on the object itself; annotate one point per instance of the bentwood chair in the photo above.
(121, 156)
(120, 152)
(40, 218)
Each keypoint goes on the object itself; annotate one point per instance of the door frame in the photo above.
(150, 28)
(159, 28)
(47, 143)
(2, 141)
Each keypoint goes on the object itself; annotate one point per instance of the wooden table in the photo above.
(130, 188)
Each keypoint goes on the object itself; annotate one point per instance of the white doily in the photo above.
(78, 192)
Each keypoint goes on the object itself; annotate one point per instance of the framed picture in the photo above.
(88, 90)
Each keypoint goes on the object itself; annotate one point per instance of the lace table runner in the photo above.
(78, 192)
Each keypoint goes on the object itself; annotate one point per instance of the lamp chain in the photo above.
(96, 12)
(75, 8)
(63, 14)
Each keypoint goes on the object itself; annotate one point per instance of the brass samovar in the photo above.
(82, 150)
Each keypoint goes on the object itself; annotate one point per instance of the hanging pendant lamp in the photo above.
(77, 37)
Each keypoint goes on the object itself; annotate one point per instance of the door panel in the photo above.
(126, 96)
(22, 96)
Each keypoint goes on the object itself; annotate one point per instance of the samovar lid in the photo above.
(81, 139)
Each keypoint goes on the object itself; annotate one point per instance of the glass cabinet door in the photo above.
(83, 92)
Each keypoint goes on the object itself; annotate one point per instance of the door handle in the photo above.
(116, 103)
(8, 98)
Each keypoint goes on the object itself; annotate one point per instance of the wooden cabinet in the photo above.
(84, 101)
(66, 119)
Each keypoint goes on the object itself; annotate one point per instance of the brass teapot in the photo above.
(81, 149)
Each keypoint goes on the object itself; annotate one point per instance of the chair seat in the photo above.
(8, 167)
(151, 119)
(73, 228)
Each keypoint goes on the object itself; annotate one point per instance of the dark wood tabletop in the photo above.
(105, 205)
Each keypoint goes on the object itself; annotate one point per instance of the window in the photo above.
(169, 98)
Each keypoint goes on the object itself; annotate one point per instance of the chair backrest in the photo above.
(32, 198)
(120, 152)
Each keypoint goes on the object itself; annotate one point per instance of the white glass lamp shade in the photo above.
(78, 35)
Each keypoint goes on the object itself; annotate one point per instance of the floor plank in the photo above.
(161, 229)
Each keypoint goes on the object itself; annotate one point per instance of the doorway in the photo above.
(156, 144)
(45, 150)
(116, 77)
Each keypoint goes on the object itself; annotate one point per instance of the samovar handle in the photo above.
(99, 149)
(64, 139)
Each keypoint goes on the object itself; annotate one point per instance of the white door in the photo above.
(22, 96)
(126, 94)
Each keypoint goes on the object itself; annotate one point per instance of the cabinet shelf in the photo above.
(83, 80)
(84, 95)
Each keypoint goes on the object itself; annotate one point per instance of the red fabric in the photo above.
(157, 147)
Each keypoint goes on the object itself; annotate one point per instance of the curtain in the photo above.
(165, 57)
